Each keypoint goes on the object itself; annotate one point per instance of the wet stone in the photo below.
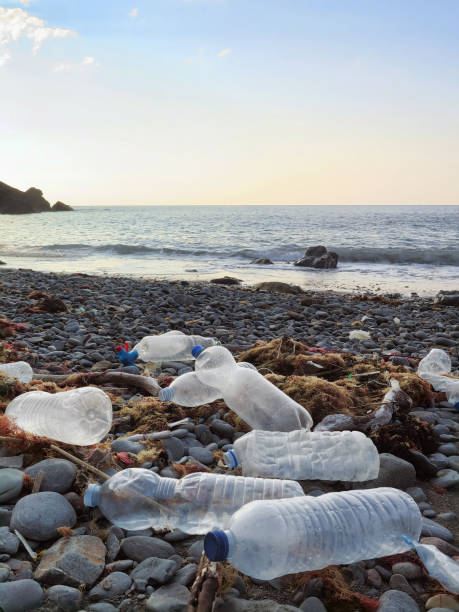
(59, 474)
(20, 596)
(37, 516)
(152, 571)
(11, 481)
(139, 548)
(116, 583)
(9, 542)
(68, 599)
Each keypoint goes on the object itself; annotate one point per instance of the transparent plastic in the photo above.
(440, 567)
(248, 393)
(18, 369)
(188, 390)
(304, 455)
(432, 369)
(80, 416)
(171, 346)
(137, 499)
(267, 539)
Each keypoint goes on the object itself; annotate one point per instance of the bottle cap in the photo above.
(230, 459)
(92, 495)
(456, 406)
(196, 350)
(166, 394)
(216, 545)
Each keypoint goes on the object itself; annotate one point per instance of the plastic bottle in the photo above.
(432, 369)
(80, 416)
(306, 455)
(137, 499)
(248, 393)
(267, 539)
(18, 369)
(188, 390)
(170, 347)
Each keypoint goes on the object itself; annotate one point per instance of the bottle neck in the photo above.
(230, 459)
(165, 488)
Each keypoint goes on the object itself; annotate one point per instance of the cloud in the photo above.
(224, 52)
(86, 62)
(24, 2)
(15, 23)
(4, 58)
(134, 13)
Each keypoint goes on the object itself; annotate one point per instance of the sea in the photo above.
(385, 249)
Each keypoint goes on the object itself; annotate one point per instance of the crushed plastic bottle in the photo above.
(188, 390)
(80, 416)
(18, 369)
(261, 404)
(433, 368)
(268, 539)
(440, 567)
(305, 455)
(136, 498)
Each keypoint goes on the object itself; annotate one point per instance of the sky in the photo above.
(110, 102)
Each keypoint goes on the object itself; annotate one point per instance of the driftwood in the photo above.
(205, 586)
(113, 377)
(80, 462)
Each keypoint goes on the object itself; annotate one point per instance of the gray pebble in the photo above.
(59, 474)
(20, 596)
(66, 598)
(203, 455)
(9, 543)
(153, 571)
(11, 481)
(139, 548)
(37, 516)
(116, 583)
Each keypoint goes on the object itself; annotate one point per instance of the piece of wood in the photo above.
(80, 462)
(37, 481)
(32, 554)
(114, 377)
(204, 589)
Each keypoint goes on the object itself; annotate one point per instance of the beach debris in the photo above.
(45, 303)
(17, 369)
(359, 334)
(434, 368)
(10, 328)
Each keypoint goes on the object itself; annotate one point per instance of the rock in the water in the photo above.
(61, 207)
(9, 543)
(318, 257)
(11, 481)
(37, 516)
(72, 561)
(264, 261)
(65, 598)
(20, 596)
(397, 601)
(393, 472)
(139, 548)
(153, 571)
(59, 474)
(16, 202)
(116, 583)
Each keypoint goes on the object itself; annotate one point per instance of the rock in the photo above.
(72, 561)
(374, 578)
(443, 600)
(393, 472)
(398, 582)
(318, 257)
(139, 548)
(153, 571)
(446, 479)
(195, 550)
(113, 547)
(265, 261)
(59, 474)
(397, 601)
(447, 298)
(66, 598)
(16, 202)
(11, 481)
(126, 446)
(174, 590)
(453, 462)
(335, 422)
(424, 467)
(411, 571)
(160, 603)
(232, 604)
(432, 529)
(277, 287)
(186, 574)
(116, 583)
(223, 429)
(448, 449)
(201, 454)
(439, 460)
(9, 543)
(103, 606)
(445, 547)
(226, 280)
(417, 494)
(313, 604)
(21, 595)
(174, 448)
(5, 571)
(37, 516)
(61, 207)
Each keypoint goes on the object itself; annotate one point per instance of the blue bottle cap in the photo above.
(456, 406)
(92, 496)
(230, 459)
(196, 350)
(166, 394)
(216, 545)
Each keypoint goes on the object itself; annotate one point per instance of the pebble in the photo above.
(448, 449)
(374, 578)
(453, 462)
(186, 574)
(139, 548)
(11, 482)
(445, 547)
(411, 571)
(154, 571)
(66, 598)
(432, 529)
(20, 596)
(127, 446)
(102, 606)
(313, 604)
(174, 448)
(203, 455)
(443, 600)
(116, 583)
(397, 601)
(195, 550)
(59, 474)
(37, 516)
(9, 543)
(417, 494)
(400, 583)
(393, 472)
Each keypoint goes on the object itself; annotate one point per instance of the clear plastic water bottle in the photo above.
(137, 499)
(306, 455)
(18, 369)
(268, 539)
(188, 390)
(171, 346)
(261, 404)
(432, 369)
(80, 416)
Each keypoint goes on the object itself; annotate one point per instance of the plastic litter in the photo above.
(188, 390)
(432, 369)
(268, 539)
(305, 455)
(136, 498)
(18, 369)
(80, 416)
(441, 567)
(171, 346)
(261, 404)
(359, 334)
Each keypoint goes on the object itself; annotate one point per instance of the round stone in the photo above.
(59, 474)
(37, 516)
(11, 481)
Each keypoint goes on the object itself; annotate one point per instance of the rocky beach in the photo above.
(67, 327)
